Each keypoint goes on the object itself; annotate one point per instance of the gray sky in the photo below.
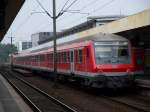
(26, 23)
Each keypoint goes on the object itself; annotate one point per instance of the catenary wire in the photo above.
(44, 9)
(64, 6)
(95, 10)
(24, 21)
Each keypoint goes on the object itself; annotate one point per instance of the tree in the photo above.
(5, 51)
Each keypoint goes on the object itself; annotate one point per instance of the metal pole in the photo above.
(54, 39)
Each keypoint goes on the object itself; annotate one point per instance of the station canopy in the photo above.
(8, 12)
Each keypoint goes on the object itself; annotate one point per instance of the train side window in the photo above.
(52, 57)
(35, 58)
(57, 57)
(71, 56)
(49, 56)
(65, 57)
(41, 57)
(68, 54)
(62, 57)
(60, 60)
(32, 58)
(76, 56)
(87, 52)
(80, 56)
(38, 57)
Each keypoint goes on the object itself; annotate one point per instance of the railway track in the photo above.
(125, 101)
(143, 83)
(142, 106)
(37, 99)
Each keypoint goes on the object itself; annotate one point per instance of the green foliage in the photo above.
(5, 51)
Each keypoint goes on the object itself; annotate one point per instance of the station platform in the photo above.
(10, 101)
(143, 83)
(143, 80)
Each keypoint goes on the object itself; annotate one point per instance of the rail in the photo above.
(31, 104)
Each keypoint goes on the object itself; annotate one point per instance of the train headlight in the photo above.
(100, 71)
(128, 71)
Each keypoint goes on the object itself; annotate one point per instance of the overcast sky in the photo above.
(27, 23)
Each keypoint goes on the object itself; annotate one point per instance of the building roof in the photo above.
(135, 21)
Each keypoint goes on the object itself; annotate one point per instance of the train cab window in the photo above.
(112, 52)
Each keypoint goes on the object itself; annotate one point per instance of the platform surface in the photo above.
(10, 101)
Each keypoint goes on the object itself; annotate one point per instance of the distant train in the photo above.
(102, 60)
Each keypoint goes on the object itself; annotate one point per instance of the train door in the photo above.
(72, 61)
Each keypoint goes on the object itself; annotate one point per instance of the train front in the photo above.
(115, 61)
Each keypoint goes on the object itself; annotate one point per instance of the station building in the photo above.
(22, 45)
(40, 36)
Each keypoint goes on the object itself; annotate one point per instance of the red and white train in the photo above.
(102, 60)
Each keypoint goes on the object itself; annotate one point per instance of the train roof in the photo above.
(73, 39)
(98, 37)
(102, 37)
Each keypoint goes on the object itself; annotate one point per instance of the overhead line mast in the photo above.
(54, 17)
(54, 39)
